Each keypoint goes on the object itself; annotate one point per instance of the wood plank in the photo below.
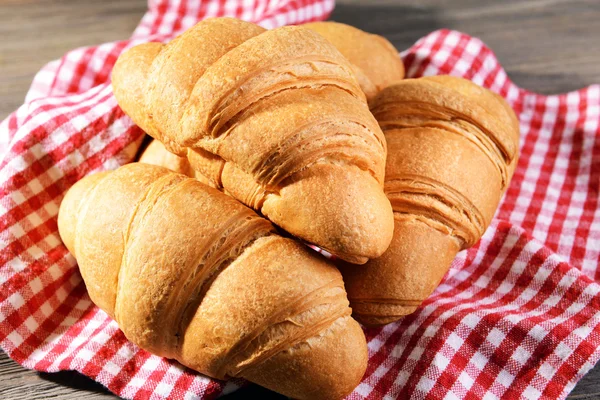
(18, 383)
(35, 32)
(547, 46)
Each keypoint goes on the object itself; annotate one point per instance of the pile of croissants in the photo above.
(307, 128)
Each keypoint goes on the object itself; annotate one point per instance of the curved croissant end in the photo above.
(157, 154)
(67, 220)
(375, 60)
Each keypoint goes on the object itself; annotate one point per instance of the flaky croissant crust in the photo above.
(375, 61)
(448, 195)
(191, 274)
(274, 118)
(453, 148)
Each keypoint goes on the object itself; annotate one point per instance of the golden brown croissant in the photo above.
(453, 147)
(157, 154)
(375, 60)
(191, 274)
(274, 118)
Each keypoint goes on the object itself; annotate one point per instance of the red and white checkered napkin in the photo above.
(518, 315)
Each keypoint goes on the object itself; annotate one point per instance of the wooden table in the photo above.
(548, 46)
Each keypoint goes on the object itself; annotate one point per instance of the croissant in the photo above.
(274, 118)
(157, 154)
(453, 147)
(374, 59)
(191, 274)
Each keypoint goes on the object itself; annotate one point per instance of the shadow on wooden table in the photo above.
(74, 380)
(586, 389)
(77, 381)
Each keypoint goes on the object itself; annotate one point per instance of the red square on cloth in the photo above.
(517, 315)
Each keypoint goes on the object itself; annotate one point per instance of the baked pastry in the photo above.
(374, 59)
(191, 274)
(453, 147)
(274, 118)
(157, 154)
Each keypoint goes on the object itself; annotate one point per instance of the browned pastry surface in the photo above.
(157, 154)
(375, 60)
(191, 274)
(275, 119)
(453, 148)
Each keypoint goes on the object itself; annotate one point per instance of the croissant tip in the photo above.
(68, 213)
(380, 320)
(342, 347)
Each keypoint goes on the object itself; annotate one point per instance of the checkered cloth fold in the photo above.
(518, 315)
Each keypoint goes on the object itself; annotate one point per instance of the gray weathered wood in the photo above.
(35, 32)
(547, 46)
(19, 383)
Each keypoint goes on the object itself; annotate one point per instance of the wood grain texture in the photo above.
(547, 46)
(35, 32)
